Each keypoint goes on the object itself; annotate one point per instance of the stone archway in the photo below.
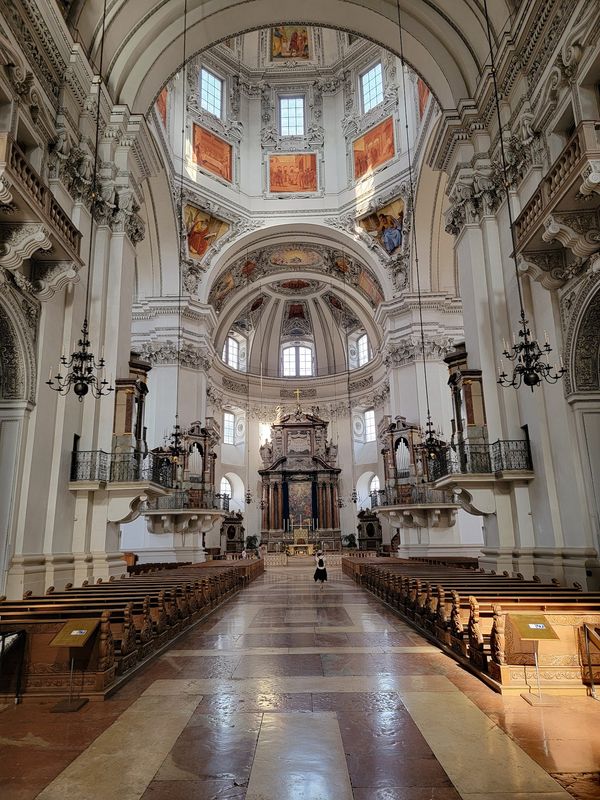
(445, 44)
(581, 315)
(18, 333)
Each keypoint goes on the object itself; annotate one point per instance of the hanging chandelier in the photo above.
(530, 360)
(84, 373)
(531, 365)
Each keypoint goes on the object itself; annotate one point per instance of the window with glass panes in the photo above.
(372, 88)
(291, 116)
(211, 93)
(228, 428)
(370, 432)
(225, 487)
(363, 349)
(297, 361)
(231, 352)
(374, 485)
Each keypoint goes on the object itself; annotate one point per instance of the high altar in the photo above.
(300, 486)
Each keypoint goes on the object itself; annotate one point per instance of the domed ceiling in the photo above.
(297, 293)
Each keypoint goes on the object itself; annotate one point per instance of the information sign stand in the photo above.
(74, 634)
(534, 628)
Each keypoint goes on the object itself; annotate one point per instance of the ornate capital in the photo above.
(465, 205)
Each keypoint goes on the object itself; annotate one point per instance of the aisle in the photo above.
(290, 692)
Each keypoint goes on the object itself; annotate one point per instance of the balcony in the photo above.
(185, 511)
(186, 499)
(35, 229)
(97, 466)
(498, 459)
(413, 506)
(124, 480)
(558, 228)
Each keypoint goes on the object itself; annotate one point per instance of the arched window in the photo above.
(225, 487)
(362, 347)
(374, 485)
(370, 429)
(228, 427)
(297, 360)
(231, 352)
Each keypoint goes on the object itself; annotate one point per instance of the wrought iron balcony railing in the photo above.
(188, 499)
(97, 465)
(405, 495)
(507, 455)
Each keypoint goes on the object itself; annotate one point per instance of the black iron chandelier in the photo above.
(84, 373)
(530, 360)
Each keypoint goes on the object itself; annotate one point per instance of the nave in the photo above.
(292, 692)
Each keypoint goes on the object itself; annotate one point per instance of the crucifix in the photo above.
(297, 393)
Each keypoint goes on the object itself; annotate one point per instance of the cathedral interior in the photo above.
(284, 283)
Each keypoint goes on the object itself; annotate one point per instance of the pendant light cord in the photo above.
(414, 210)
(181, 224)
(504, 164)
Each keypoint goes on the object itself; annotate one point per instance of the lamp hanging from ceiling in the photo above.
(528, 357)
(85, 373)
(432, 443)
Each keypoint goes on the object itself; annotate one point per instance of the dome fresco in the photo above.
(272, 260)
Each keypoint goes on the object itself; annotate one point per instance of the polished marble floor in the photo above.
(292, 692)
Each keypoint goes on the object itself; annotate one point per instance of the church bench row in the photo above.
(135, 618)
(471, 616)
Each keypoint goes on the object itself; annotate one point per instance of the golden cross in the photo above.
(297, 393)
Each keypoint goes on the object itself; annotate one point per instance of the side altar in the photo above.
(300, 492)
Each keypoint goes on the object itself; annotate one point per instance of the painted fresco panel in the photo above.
(161, 105)
(374, 148)
(423, 91)
(202, 230)
(385, 226)
(290, 41)
(370, 288)
(212, 153)
(293, 173)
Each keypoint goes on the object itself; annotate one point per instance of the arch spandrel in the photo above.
(444, 40)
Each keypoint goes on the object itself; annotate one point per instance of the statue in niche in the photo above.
(266, 453)
(331, 451)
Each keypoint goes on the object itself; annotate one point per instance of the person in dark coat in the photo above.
(321, 571)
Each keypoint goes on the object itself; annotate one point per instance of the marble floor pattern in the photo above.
(292, 692)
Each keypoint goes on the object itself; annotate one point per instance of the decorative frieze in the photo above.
(410, 350)
(167, 353)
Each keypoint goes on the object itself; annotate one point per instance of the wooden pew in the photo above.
(469, 614)
(136, 616)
